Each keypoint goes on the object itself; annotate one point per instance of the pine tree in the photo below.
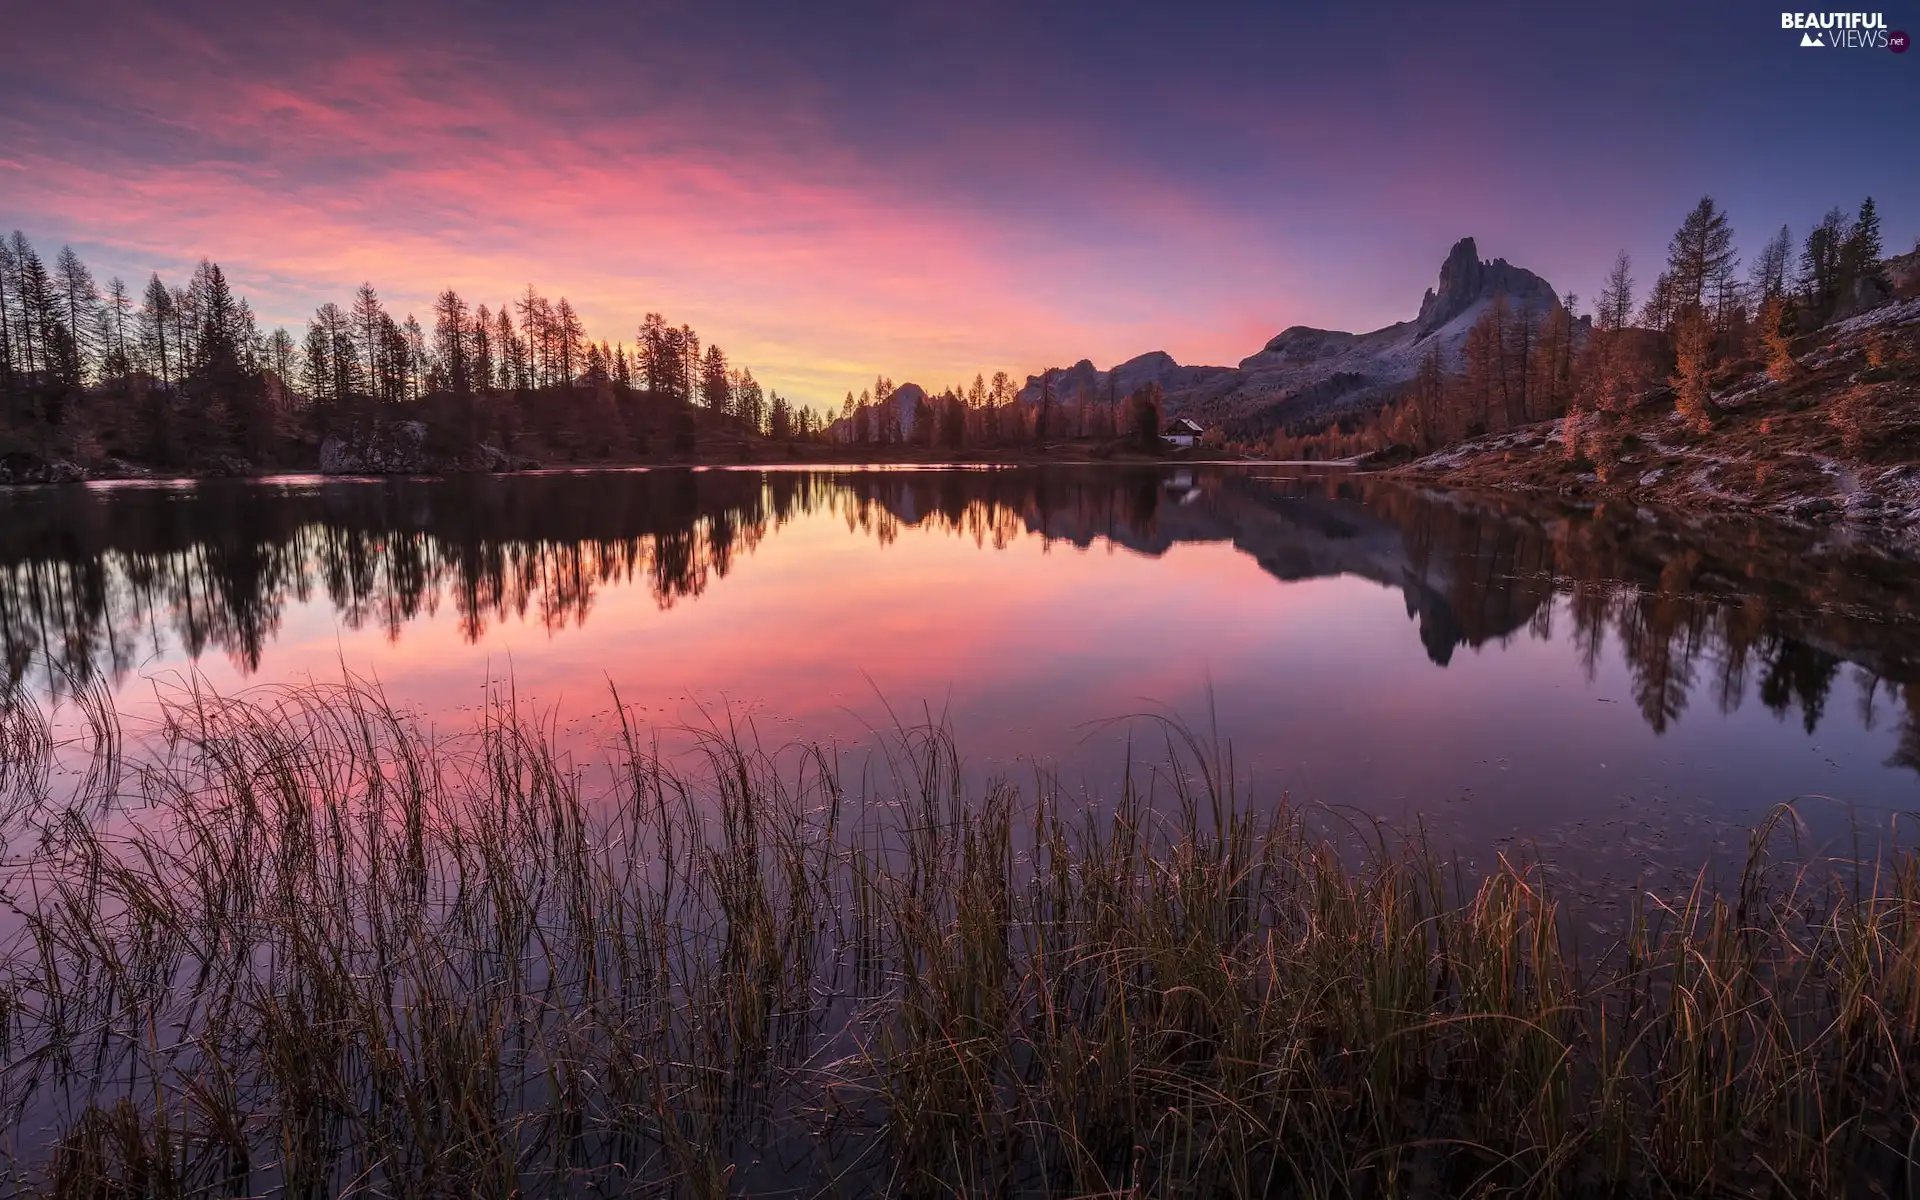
(749, 404)
(480, 350)
(1700, 254)
(1615, 309)
(27, 341)
(1518, 363)
(533, 310)
(568, 333)
(118, 361)
(1693, 347)
(1777, 337)
(10, 368)
(1144, 412)
(1770, 269)
(450, 341)
(414, 359)
(1860, 253)
(688, 366)
(48, 343)
(282, 355)
(715, 391)
(369, 325)
(226, 392)
(1485, 354)
(511, 349)
(655, 353)
(1661, 305)
(1821, 275)
(80, 298)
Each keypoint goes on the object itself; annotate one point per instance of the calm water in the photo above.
(1613, 686)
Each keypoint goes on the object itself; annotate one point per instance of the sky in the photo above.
(836, 191)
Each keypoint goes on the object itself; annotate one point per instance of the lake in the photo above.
(1622, 689)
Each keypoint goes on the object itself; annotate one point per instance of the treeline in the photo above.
(989, 413)
(1524, 363)
(185, 375)
(983, 414)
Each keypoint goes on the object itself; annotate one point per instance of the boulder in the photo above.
(404, 448)
(28, 469)
(1867, 294)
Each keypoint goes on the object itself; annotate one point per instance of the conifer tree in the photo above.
(568, 333)
(1777, 338)
(369, 330)
(157, 331)
(451, 338)
(1615, 309)
(80, 300)
(1860, 254)
(115, 314)
(1700, 254)
(715, 391)
(1821, 262)
(1693, 346)
(1770, 269)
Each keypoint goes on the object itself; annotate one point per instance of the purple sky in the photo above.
(929, 190)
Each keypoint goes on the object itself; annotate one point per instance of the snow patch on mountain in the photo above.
(1303, 372)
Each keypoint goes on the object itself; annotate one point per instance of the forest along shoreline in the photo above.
(1785, 397)
(1824, 435)
(412, 452)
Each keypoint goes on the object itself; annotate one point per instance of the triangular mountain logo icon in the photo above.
(1812, 39)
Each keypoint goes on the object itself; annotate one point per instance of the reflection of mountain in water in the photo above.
(97, 580)
(1690, 608)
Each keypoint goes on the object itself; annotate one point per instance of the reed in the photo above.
(296, 945)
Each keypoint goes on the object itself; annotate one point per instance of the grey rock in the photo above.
(26, 469)
(1867, 294)
(403, 448)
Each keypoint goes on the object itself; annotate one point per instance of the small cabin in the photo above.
(1182, 432)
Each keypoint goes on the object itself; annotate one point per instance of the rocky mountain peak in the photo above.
(1465, 281)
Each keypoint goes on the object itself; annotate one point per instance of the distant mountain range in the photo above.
(1307, 373)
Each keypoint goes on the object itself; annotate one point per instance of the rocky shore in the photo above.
(1836, 442)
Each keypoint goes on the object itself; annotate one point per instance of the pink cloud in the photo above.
(419, 168)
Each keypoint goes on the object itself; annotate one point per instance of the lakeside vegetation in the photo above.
(1677, 347)
(108, 379)
(298, 944)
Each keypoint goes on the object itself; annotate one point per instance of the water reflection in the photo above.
(98, 581)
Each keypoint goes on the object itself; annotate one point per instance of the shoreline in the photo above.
(123, 472)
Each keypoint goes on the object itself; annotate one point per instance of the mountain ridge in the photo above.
(1305, 372)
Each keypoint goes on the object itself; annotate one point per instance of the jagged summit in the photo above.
(1465, 281)
(1086, 383)
(1305, 372)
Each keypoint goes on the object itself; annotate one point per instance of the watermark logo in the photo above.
(1844, 31)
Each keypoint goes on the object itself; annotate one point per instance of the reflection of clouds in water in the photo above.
(102, 582)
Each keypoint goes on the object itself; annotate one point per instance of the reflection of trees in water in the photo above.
(100, 581)
(1755, 613)
(1690, 612)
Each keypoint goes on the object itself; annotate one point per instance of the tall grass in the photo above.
(301, 947)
